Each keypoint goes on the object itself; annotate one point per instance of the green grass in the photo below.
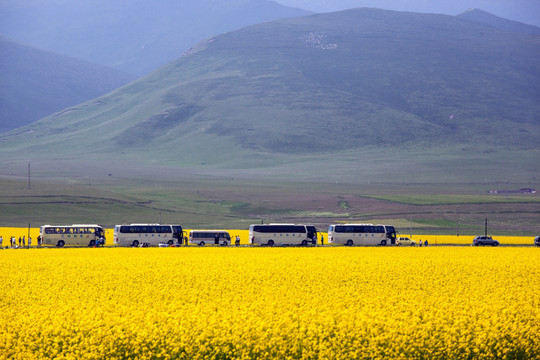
(236, 203)
(428, 199)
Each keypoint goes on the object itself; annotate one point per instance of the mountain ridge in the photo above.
(133, 36)
(315, 86)
(37, 83)
(484, 17)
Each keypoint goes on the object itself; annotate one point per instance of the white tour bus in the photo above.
(361, 234)
(282, 234)
(147, 235)
(71, 235)
(203, 237)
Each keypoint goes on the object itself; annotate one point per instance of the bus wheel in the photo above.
(61, 243)
(170, 242)
(270, 243)
(383, 243)
(349, 243)
(92, 243)
(304, 242)
(224, 243)
(201, 243)
(135, 243)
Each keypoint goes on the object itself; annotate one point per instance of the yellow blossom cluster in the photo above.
(270, 303)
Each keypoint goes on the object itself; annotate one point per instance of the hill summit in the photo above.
(344, 81)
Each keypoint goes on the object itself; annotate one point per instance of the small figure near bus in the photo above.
(1, 242)
(39, 240)
(425, 243)
(20, 241)
(29, 241)
(420, 243)
(322, 240)
(237, 240)
(23, 241)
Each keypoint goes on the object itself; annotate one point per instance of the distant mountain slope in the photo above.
(521, 10)
(37, 83)
(328, 83)
(486, 18)
(136, 36)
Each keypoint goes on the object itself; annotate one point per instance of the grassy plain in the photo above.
(267, 303)
(235, 203)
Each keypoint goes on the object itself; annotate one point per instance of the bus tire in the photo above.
(270, 243)
(92, 243)
(170, 242)
(304, 242)
(201, 243)
(349, 242)
(224, 243)
(61, 243)
(135, 243)
(383, 243)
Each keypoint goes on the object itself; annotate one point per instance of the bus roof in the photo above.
(74, 225)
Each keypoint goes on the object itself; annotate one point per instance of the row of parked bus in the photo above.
(136, 235)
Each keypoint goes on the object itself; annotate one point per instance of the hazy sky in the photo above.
(527, 11)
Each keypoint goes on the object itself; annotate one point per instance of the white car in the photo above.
(403, 240)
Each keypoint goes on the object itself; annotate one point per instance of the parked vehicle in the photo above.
(72, 235)
(282, 234)
(361, 234)
(403, 241)
(147, 235)
(537, 241)
(203, 237)
(485, 240)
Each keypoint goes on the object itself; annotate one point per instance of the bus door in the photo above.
(178, 234)
(391, 234)
(312, 234)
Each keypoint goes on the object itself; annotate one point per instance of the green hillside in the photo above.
(385, 95)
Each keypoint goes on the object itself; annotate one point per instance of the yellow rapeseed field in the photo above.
(270, 303)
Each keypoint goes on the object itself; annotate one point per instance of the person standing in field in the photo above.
(1, 241)
(237, 240)
(20, 241)
(23, 241)
(29, 241)
(322, 240)
(425, 243)
(420, 243)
